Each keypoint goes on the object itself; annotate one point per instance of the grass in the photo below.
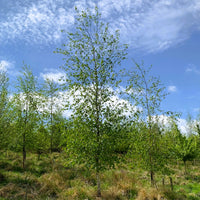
(50, 179)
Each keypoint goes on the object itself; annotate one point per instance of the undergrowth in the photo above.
(49, 178)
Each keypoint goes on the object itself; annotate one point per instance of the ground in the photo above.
(52, 178)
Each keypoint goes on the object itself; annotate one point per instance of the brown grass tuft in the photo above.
(9, 190)
(51, 183)
(151, 194)
(80, 192)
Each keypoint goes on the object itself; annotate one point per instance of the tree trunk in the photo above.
(163, 182)
(39, 154)
(177, 163)
(24, 156)
(152, 178)
(185, 167)
(194, 162)
(171, 183)
(51, 147)
(24, 137)
(98, 185)
(97, 120)
(26, 194)
(24, 150)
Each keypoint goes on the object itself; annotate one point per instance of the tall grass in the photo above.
(51, 178)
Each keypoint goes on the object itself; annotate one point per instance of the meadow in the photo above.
(50, 178)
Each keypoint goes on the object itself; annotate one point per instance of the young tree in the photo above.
(92, 54)
(41, 142)
(59, 129)
(185, 148)
(197, 130)
(26, 108)
(50, 92)
(147, 92)
(4, 106)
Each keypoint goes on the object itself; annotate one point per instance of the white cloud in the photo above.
(172, 88)
(192, 69)
(182, 125)
(60, 101)
(161, 119)
(38, 22)
(57, 77)
(9, 67)
(147, 25)
(53, 74)
(117, 102)
(74, 97)
(63, 99)
(5, 65)
(187, 127)
(153, 25)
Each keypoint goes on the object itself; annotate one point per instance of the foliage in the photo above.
(185, 148)
(4, 111)
(92, 54)
(25, 102)
(103, 127)
(147, 92)
(50, 92)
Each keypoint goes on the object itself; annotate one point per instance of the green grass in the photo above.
(190, 188)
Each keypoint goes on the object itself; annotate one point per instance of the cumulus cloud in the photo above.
(161, 119)
(62, 101)
(183, 125)
(187, 127)
(146, 25)
(5, 65)
(172, 88)
(56, 76)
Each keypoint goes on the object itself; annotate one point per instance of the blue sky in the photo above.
(162, 33)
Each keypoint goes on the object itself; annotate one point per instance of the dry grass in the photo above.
(119, 184)
(50, 179)
(78, 193)
(13, 191)
(150, 194)
(51, 184)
